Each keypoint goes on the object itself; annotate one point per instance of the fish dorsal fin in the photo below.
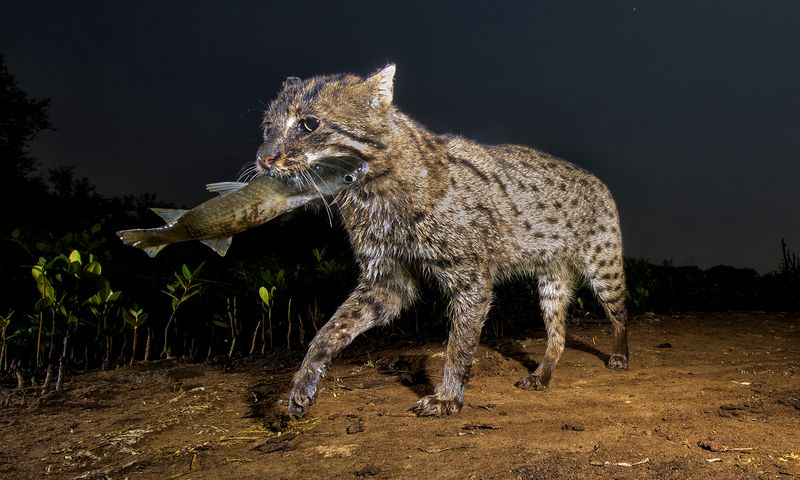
(168, 214)
(219, 245)
(224, 188)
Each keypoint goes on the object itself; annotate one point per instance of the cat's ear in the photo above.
(291, 81)
(383, 86)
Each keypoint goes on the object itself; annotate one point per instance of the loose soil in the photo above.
(707, 396)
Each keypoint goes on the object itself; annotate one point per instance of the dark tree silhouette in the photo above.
(21, 119)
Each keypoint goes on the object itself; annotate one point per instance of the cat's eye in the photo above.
(309, 124)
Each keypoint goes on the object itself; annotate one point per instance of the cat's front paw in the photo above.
(618, 361)
(304, 390)
(432, 406)
(532, 382)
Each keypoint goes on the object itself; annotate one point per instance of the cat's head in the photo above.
(324, 117)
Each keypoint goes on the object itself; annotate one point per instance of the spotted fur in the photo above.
(462, 214)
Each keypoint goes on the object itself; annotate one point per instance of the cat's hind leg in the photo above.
(555, 294)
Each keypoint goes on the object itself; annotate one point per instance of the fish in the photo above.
(242, 206)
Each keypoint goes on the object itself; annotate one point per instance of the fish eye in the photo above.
(309, 124)
(349, 178)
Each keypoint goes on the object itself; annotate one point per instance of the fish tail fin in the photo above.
(147, 239)
(219, 245)
(144, 239)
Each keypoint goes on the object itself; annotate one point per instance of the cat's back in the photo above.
(523, 176)
(535, 205)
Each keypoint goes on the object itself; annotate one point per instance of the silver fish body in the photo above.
(242, 206)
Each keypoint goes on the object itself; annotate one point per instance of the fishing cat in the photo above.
(460, 213)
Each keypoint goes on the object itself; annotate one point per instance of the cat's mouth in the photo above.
(308, 164)
(328, 175)
(285, 168)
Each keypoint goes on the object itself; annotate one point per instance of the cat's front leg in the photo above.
(468, 313)
(371, 303)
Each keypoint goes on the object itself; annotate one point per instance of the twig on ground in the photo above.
(619, 464)
(439, 450)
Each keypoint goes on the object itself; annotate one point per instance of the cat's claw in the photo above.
(298, 404)
(432, 406)
(618, 361)
(304, 390)
(532, 382)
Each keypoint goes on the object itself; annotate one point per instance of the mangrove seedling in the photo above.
(267, 301)
(135, 318)
(185, 286)
(100, 305)
(5, 321)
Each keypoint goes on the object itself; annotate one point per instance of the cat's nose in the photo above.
(266, 162)
(266, 156)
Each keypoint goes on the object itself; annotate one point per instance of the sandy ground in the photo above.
(707, 396)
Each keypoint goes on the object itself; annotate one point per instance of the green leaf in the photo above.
(37, 272)
(186, 273)
(190, 295)
(75, 269)
(115, 296)
(221, 324)
(42, 304)
(197, 270)
(96, 228)
(264, 294)
(94, 268)
(105, 291)
(75, 256)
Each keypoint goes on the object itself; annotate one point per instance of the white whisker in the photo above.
(330, 192)
(247, 172)
(324, 201)
(350, 160)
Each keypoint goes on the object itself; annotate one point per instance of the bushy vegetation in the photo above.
(85, 300)
(73, 297)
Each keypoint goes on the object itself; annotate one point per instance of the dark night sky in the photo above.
(688, 110)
